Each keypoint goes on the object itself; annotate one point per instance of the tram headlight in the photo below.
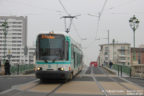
(61, 69)
(39, 68)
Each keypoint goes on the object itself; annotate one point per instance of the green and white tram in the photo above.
(57, 57)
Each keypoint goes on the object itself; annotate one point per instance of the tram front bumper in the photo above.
(53, 74)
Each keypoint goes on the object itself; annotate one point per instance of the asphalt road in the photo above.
(6, 82)
(87, 83)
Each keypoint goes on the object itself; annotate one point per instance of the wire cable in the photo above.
(98, 23)
(64, 7)
(78, 34)
(99, 17)
(123, 4)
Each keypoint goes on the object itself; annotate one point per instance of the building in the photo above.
(16, 38)
(30, 57)
(118, 53)
(139, 53)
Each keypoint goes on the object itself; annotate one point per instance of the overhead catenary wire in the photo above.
(98, 22)
(64, 7)
(78, 34)
(99, 17)
(123, 4)
(67, 28)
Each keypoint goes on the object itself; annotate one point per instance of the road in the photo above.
(90, 82)
(6, 82)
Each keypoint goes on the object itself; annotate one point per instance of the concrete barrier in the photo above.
(138, 70)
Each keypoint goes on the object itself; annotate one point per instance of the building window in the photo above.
(106, 53)
(122, 58)
(106, 58)
(106, 48)
(123, 63)
(122, 47)
(122, 52)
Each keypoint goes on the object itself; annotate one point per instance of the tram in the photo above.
(58, 56)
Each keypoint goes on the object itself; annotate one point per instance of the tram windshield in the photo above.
(50, 47)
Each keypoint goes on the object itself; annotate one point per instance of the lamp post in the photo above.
(5, 26)
(113, 49)
(134, 23)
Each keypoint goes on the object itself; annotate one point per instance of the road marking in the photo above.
(113, 88)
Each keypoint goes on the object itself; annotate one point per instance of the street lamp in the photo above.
(5, 26)
(134, 23)
(113, 49)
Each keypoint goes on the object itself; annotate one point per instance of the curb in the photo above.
(111, 71)
(29, 72)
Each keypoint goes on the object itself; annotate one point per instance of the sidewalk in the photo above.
(116, 72)
(19, 75)
(26, 73)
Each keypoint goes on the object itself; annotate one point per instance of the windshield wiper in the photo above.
(60, 55)
(54, 59)
(45, 59)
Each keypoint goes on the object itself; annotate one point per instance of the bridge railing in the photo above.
(20, 69)
(122, 69)
(136, 70)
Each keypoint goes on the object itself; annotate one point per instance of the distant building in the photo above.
(16, 37)
(139, 53)
(118, 53)
(141, 46)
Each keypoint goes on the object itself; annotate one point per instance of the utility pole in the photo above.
(108, 48)
(113, 50)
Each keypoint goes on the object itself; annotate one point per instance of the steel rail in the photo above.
(99, 85)
(114, 79)
(21, 92)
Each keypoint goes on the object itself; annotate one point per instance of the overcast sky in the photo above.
(44, 16)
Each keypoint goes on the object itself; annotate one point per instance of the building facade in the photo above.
(139, 54)
(30, 57)
(16, 38)
(118, 53)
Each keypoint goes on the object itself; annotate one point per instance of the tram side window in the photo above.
(72, 50)
(67, 50)
(74, 59)
(77, 58)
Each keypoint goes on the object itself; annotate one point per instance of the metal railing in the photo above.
(21, 69)
(122, 69)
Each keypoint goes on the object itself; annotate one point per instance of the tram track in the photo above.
(107, 75)
(27, 89)
(106, 91)
(36, 83)
(19, 91)
(98, 84)
(121, 84)
(54, 90)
